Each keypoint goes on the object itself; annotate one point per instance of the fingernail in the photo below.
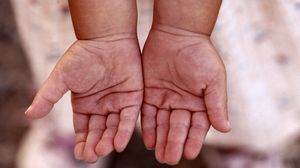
(29, 108)
(149, 148)
(228, 125)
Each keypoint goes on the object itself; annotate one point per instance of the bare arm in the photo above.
(100, 18)
(193, 15)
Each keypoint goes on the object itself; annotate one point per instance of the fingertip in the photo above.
(119, 148)
(99, 151)
(190, 156)
(28, 113)
(159, 159)
(192, 149)
(149, 148)
(227, 126)
(222, 126)
(28, 110)
(149, 141)
(103, 149)
(39, 108)
(159, 155)
(120, 143)
(218, 118)
(173, 153)
(32, 113)
(92, 159)
(172, 162)
(191, 153)
(78, 151)
(90, 156)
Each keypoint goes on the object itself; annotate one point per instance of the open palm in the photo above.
(185, 92)
(105, 78)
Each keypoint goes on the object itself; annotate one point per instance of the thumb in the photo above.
(216, 105)
(51, 91)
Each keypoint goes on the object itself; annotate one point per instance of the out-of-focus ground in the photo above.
(17, 88)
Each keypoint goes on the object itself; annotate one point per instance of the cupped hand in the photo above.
(185, 93)
(105, 78)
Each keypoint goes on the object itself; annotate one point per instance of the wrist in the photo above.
(115, 37)
(178, 31)
(106, 42)
(198, 16)
(101, 18)
(109, 34)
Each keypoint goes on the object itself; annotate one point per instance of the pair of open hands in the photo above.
(179, 84)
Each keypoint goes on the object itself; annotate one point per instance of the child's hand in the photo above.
(185, 92)
(105, 78)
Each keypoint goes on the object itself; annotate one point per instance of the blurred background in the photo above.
(259, 42)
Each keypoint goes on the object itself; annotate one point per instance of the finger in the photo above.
(179, 127)
(52, 90)
(163, 118)
(128, 118)
(81, 126)
(149, 125)
(106, 143)
(96, 129)
(198, 130)
(216, 105)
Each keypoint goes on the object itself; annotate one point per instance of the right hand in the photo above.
(105, 78)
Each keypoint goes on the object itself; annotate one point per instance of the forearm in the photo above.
(100, 18)
(192, 15)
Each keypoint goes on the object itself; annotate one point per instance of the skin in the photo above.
(100, 18)
(103, 71)
(185, 80)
